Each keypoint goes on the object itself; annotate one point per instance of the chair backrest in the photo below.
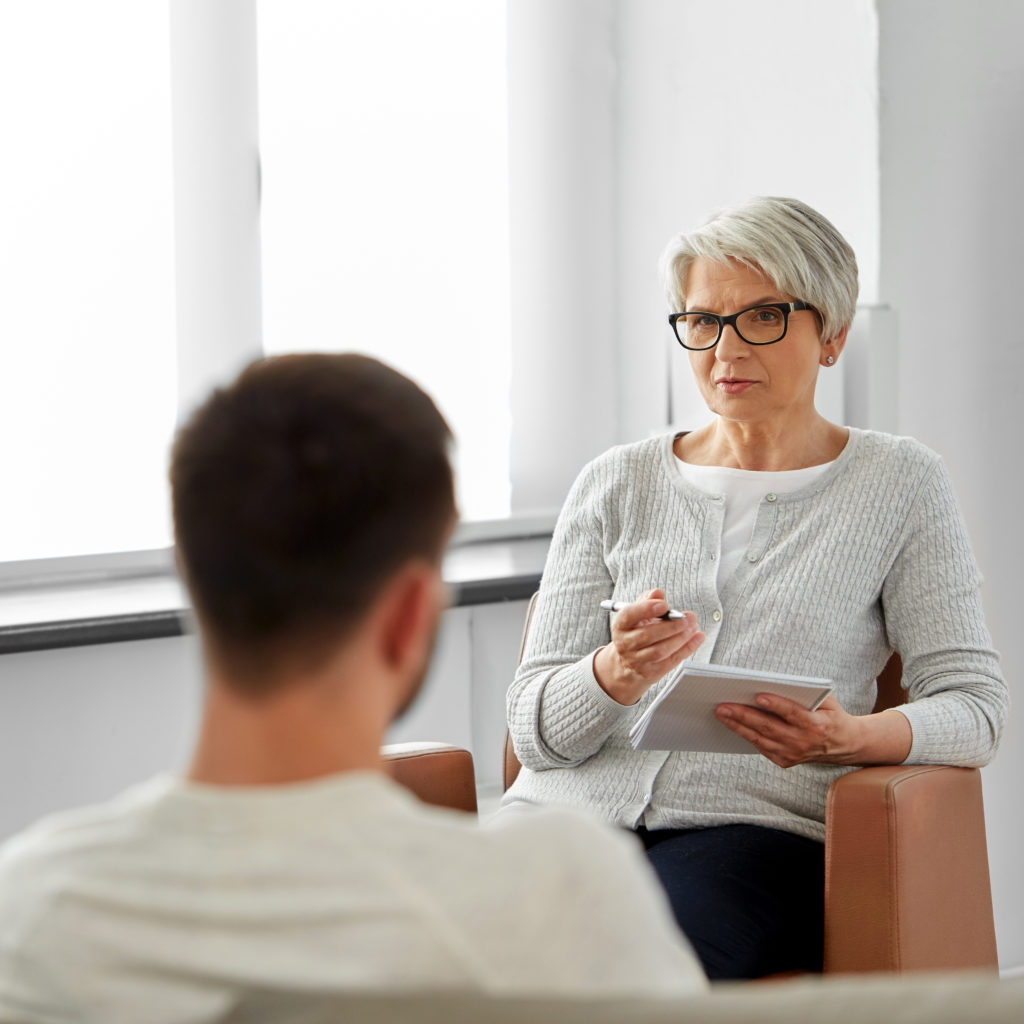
(510, 769)
(890, 685)
(890, 695)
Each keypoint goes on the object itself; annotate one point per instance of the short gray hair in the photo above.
(790, 243)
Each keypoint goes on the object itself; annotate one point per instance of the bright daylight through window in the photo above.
(87, 392)
(384, 229)
(383, 136)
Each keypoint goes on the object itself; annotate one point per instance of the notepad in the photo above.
(682, 716)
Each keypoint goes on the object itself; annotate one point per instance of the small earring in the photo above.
(830, 360)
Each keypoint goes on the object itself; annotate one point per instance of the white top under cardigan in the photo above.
(742, 491)
(183, 902)
(871, 557)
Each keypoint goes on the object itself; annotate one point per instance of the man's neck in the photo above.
(303, 730)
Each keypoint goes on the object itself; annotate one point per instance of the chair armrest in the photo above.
(437, 773)
(906, 871)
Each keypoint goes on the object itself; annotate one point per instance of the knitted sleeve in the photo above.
(558, 715)
(933, 615)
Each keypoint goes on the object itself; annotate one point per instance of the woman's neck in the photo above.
(762, 447)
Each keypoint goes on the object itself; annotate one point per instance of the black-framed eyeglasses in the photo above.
(756, 325)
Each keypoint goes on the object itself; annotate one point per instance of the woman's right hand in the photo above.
(644, 647)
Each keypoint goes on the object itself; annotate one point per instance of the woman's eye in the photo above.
(767, 316)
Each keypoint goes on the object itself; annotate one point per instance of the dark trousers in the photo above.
(751, 900)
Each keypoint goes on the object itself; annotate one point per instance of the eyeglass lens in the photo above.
(760, 326)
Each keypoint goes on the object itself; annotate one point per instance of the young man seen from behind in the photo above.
(312, 502)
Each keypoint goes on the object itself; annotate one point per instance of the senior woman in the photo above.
(798, 546)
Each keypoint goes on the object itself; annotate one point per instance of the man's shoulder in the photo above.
(523, 818)
(72, 833)
(583, 843)
(518, 833)
(42, 864)
(551, 850)
(590, 887)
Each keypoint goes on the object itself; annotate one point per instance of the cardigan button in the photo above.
(717, 615)
(771, 497)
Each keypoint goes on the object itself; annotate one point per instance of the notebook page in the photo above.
(683, 715)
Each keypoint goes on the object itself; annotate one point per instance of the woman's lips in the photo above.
(733, 385)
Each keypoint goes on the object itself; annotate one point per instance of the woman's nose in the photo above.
(730, 344)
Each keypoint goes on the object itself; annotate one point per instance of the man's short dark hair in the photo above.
(297, 492)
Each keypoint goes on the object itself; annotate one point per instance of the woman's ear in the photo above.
(831, 349)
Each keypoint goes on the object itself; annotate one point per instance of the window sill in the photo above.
(149, 608)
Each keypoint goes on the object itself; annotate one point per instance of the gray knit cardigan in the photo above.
(871, 557)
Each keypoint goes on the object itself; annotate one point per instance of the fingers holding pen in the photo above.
(653, 639)
(649, 622)
(645, 645)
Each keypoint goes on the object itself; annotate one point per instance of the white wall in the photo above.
(607, 99)
(721, 101)
(952, 218)
(81, 723)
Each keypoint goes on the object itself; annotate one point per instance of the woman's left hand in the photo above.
(788, 734)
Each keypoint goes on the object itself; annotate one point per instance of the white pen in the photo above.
(617, 606)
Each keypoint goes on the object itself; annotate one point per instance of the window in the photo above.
(364, 205)
(87, 388)
(384, 211)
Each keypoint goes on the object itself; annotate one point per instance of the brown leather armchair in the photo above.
(906, 861)
(437, 773)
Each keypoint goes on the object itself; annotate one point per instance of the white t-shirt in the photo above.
(743, 490)
(180, 902)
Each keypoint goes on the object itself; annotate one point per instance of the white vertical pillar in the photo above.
(216, 191)
(870, 365)
(561, 195)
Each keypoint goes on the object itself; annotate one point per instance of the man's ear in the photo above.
(411, 606)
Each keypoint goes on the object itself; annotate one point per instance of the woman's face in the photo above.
(754, 383)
